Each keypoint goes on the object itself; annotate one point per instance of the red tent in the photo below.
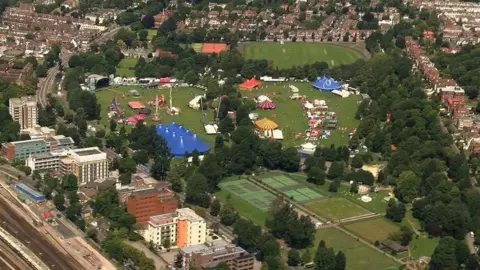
(249, 84)
(266, 105)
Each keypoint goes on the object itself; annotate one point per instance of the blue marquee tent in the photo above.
(181, 141)
(326, 84)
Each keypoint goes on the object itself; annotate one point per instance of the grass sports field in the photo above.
(291, 118)
(373, 229)
(188, 117)
(291, 188)
(299, 53)
(126, 67)
(336, 208)
(359, 256)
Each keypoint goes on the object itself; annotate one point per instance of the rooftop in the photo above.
(87, 151)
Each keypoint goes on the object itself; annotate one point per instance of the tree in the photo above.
(340, 261)
(444, 256)
(333, 187)
(336, 170)
(160, 167)
(407, 186)
(197, 190)
(215, 208)
(228, 216)
(59, 202)
(306, 257)
(357, 162)
(293, 257)
(226, 125)
(142, 35)
(70, 183)
(41, 71)
(325, 259)
(316, 175)
(290, 160)
(113, 125)
(127, 165)
(406, 235)
(395, 210)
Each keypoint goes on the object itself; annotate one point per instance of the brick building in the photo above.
(211, 254)
(148, 202)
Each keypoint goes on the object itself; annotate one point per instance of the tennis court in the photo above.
(249, 192)
(291, 188)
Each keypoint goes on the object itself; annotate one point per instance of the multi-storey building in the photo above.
(88, 164)
(183, 228)
(148, 202)
(211, 254)
(23, 149)
(24, 111)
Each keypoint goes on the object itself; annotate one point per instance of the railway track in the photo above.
(10, 260)
(34, 240)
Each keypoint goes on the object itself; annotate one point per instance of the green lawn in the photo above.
(299, 53)
(151, 34)
(423, 246)
(359, 256)
(292, 119)
(373, 229)
(377, 204)
(126, 67)
(188, 117)
(243, 207)
(336, 208)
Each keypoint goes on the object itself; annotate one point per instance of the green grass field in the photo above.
(373, 229)
(243, 208)
(336, 208)
(151, 34)
(126, 67)
(188, 117)
(291, 118)
(359, 256)
(423, 246)
(299, 53)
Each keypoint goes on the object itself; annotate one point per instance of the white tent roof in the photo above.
(308, 105)
(308, 146)
(263, 98)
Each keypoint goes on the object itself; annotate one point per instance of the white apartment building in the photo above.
(24, 111)
(183, 228)
(88, 164)
(46, 161)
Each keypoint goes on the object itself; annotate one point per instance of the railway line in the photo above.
(34, 240)
(10, 260)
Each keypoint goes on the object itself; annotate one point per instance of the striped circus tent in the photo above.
(266, 105)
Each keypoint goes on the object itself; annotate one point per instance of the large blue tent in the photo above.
(181, 141)
(326, 84)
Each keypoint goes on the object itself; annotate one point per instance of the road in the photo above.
(37, 242)
(10, 260)
(46, 85)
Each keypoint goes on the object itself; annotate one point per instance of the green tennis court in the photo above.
(273, 183)
(285, 180)
(250, 193)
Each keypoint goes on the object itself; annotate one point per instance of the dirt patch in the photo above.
(374, 169)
